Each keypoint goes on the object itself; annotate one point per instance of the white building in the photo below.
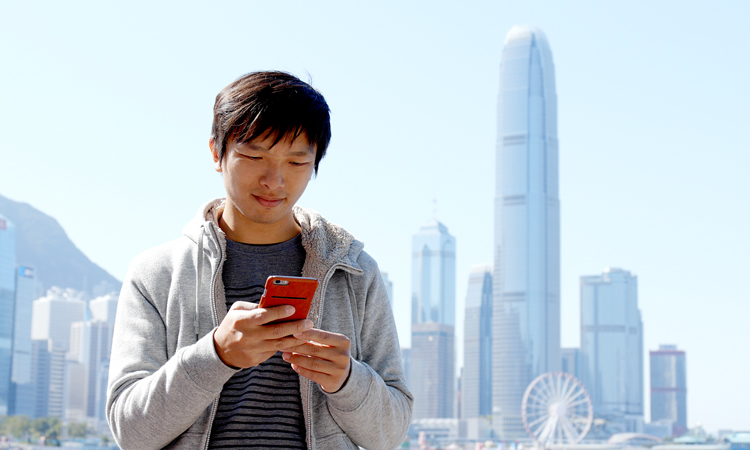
(526, 311)
(53, 314)
(612, 348)
(51, 320)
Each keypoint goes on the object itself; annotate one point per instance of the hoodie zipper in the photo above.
(215, 405)
(317, 319)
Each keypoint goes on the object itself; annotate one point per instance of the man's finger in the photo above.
(287, 343)
(314, 349)
(244, 306)
(275, 313)
(324, 337)
(291, 328)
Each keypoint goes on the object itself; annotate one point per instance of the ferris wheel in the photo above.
(556, 409)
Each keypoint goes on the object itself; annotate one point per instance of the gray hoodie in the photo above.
(165, 376)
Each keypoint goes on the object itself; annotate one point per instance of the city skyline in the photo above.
(651, 116)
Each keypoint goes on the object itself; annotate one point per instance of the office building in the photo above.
(388, 286)
(104, 309)
(7, 307)
(26, 292)
(669, 387)
(51, 320)
(433, 321)
(571, 361)
(433, 275)
(476, 385)
(432, 370)
(89, 347)
(48, 376)
(612, 348)
(406, 364)
(526, 306)
(53, 314)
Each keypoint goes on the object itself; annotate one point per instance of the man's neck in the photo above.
(237, 228)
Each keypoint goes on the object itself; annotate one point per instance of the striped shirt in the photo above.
(260, 407)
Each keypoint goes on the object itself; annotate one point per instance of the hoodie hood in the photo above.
(330, 243)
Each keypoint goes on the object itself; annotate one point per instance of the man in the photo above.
(195, 362)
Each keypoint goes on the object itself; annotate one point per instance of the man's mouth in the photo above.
(268, 202)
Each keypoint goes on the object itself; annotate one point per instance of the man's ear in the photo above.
(214, 155)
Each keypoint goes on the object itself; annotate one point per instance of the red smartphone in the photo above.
(285, 290)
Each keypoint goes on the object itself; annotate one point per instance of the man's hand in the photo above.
(244, 340)
(322, 358)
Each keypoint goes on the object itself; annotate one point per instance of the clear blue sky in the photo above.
(105, 111)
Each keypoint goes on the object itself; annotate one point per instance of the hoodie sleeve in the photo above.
(374, 406)
(154, 396)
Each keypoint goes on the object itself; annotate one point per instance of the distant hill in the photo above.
(42, 243)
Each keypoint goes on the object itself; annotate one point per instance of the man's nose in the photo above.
(272, 177)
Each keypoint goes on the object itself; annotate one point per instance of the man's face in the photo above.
(263, 182)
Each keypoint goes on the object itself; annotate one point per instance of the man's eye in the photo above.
(297, 163)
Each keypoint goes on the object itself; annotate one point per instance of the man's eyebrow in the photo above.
(309, 151)
(259, 148)
(251, 146)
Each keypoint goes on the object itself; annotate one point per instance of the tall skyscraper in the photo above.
(526, 307)
(7, 306)
(20, 378)
(669, 387)
(433, 275)
(433, 321)
(476, 383)
(612, 348)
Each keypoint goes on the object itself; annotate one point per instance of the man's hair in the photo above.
(270, 104)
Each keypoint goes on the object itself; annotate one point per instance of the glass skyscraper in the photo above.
(7, 307)
(669, 387)
(20, 378)
(476, 382)
(433, 321)
(526, 307)
(612, 348)
(433, 275)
